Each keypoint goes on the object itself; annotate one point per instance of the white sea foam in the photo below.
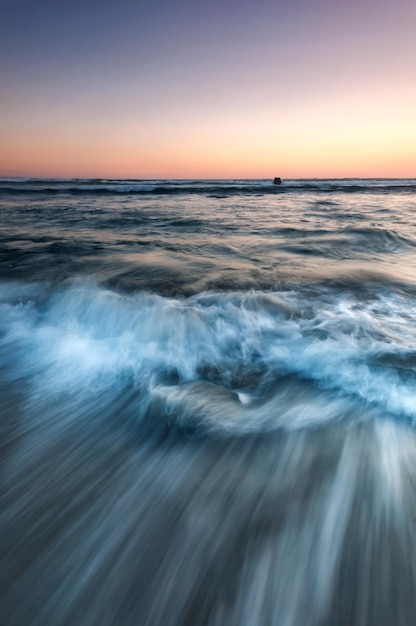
(241, 456)
(217, 354)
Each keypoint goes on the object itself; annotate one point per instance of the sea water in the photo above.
(208, 403)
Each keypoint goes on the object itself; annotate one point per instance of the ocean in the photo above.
(208, 403)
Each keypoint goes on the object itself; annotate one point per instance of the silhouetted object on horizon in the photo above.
(277, 181)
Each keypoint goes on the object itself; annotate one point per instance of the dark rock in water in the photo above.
(277, 181)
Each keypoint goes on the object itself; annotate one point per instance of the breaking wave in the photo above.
(240, 362)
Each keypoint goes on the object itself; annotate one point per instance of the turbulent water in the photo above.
(208, 403)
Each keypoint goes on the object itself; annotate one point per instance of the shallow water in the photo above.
(208, 403)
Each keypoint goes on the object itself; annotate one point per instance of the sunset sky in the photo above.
(185, 89)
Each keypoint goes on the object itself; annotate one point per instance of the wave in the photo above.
(239, 458)
(211, 188)
(225, 362)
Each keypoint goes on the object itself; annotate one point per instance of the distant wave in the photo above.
(210, 188)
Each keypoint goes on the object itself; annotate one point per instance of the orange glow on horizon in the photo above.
(341, 103)
(318, 147)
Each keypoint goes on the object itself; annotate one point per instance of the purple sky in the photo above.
(215, 88)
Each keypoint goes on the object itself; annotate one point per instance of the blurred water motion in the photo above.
(188, 439)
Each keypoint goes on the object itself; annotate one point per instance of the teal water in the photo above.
(208, 402)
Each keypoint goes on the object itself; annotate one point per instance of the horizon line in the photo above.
(198, 178)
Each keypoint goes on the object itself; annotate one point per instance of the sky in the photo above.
(219, 89)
